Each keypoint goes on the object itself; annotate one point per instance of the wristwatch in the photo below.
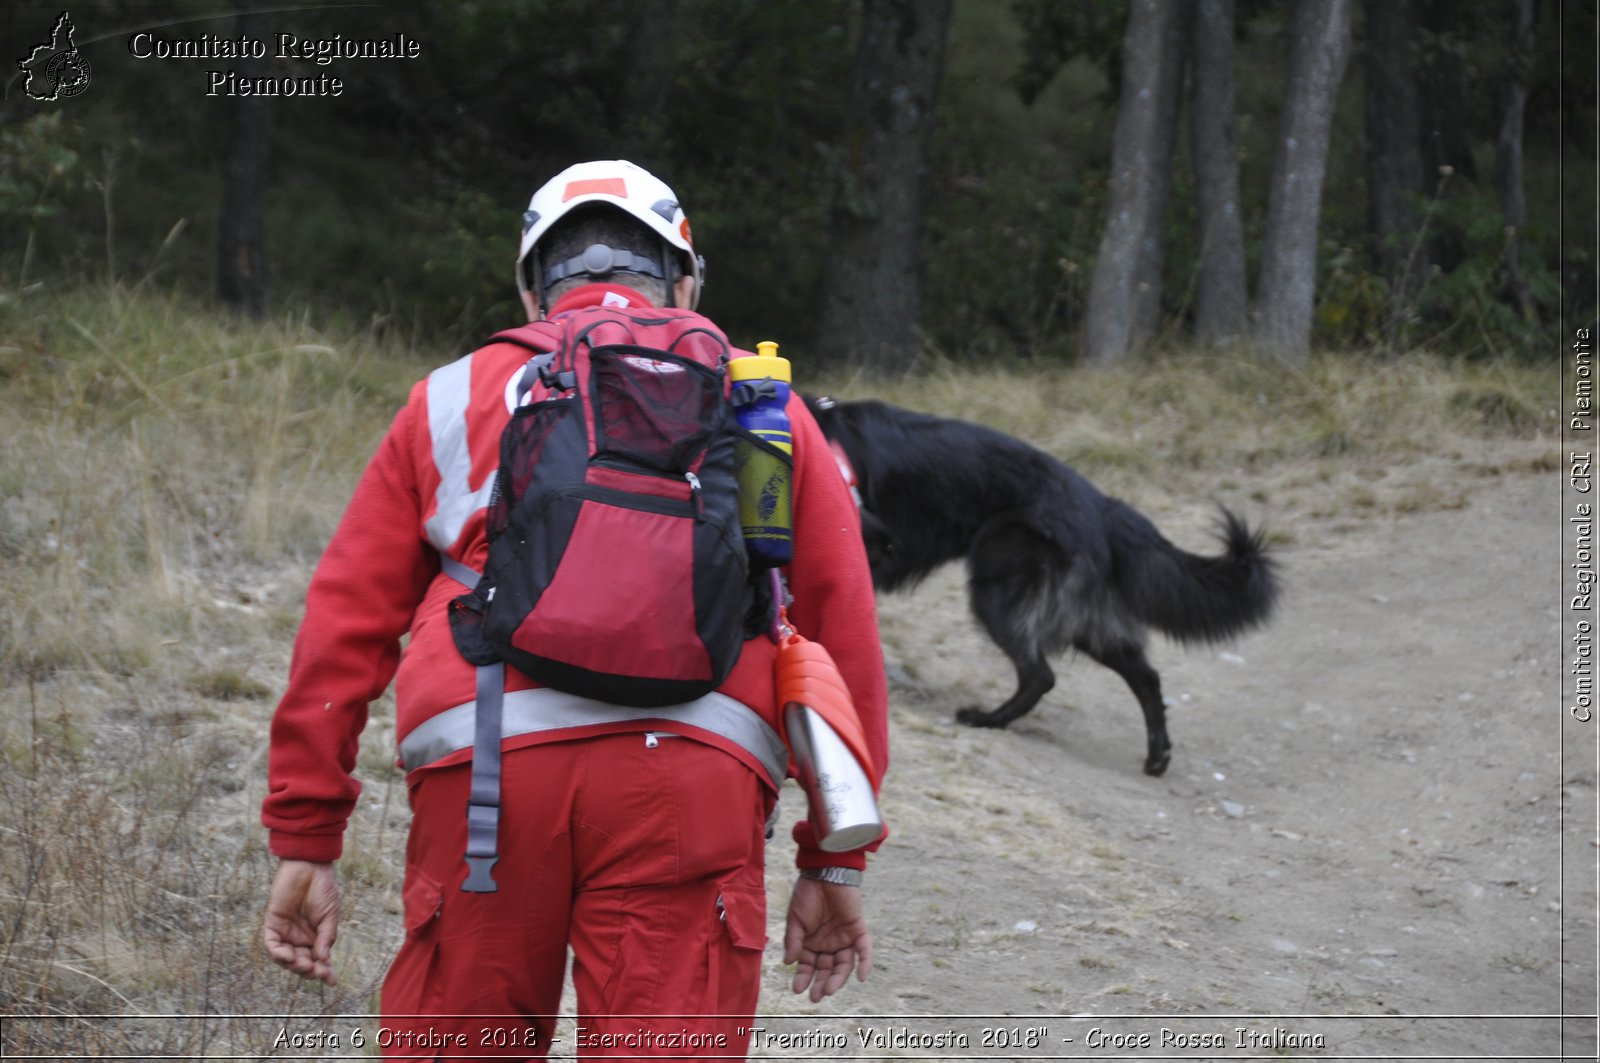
(837, 876)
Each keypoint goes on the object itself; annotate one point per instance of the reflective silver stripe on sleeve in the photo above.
(543, 709)
(449, 392)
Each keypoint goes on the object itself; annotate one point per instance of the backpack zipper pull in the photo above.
(694, 495)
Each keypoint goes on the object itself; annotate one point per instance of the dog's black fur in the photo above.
(1053, 563)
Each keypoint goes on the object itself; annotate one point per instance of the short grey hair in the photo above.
(569, 237)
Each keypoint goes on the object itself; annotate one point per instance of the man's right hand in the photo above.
(303, 919)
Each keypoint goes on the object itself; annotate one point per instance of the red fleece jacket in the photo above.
(379, 580)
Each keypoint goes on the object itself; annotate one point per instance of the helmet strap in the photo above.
(599, 261)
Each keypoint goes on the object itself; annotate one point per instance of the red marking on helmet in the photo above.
(596, 186)
(683, 227)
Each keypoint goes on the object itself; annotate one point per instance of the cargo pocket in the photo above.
(411, 984)
(733, 959)
(423, 900)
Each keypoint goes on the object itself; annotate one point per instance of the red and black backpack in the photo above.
(616, 566)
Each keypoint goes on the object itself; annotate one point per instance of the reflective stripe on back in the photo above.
(449, 393)
(544, 709)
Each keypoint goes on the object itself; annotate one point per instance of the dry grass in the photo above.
(167, 479)
(1353, 436)
(1227, 411)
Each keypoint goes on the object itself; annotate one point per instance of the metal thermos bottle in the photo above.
(843, 810)
(760, 396)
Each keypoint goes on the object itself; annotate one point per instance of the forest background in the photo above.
(882, 179)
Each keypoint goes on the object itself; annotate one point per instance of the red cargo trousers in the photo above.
(644, 853)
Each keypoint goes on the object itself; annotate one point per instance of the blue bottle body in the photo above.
(768, 414)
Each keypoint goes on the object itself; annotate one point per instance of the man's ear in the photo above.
(683, 292)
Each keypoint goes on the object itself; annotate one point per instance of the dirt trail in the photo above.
(1362, 821)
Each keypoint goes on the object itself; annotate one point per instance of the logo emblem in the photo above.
(652, 365)
(55, 70)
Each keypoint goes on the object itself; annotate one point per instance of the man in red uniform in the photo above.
(633, 839)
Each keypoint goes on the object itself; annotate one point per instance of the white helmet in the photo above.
(615, 183)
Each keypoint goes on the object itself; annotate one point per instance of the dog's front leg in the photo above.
(1034, 681)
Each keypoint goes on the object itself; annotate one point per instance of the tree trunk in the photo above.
(1394, 156)
(1508, 156)
(1153, 249)
(1125, 291)
(870, 299)
(1287, 286)
(1221, 296)
(241, 226)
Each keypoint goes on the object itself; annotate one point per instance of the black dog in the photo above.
(1053, 563)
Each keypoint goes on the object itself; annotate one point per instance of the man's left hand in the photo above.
(826, 937)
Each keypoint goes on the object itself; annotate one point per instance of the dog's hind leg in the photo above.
(1009, 597)
(1128, 660)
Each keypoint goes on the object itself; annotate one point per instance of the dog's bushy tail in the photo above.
(1185, 596)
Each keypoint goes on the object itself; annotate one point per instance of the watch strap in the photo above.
(837, 876)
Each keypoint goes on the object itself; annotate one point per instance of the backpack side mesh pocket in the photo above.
(522, 446)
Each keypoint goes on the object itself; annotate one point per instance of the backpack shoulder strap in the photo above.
(539, 337)
(544, 340)
(459, 572)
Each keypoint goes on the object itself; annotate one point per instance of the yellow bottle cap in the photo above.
(764, 363)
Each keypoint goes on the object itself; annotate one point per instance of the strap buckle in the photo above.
(747, 392)
(543, 366)
(479, 880)
(562, 381)
(483, 804)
